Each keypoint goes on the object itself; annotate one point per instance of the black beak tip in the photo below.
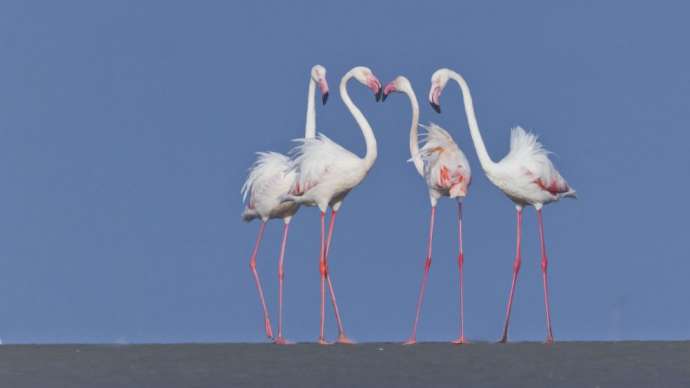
(324, 98)
(436, 107)
(384, 97)
(379, 94)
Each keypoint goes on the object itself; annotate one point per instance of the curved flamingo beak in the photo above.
(434, 98)
(323, 86)
(375, 87)
(390, 88)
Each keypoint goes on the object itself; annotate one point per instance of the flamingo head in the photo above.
(318, 75)
(438, 81)
(366, 77)
(399, 84)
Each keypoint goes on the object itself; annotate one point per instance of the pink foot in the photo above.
(322, 341)
(410, 341)
(460, 341)
(280, 340)
(269, 331)
(342, 339)
(549, 340)
(503, 340)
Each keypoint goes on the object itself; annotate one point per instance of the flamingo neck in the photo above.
(414, 138)
(310, 127)
(364, 126)
(482, 154)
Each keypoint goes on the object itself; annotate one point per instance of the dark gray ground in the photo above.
(567, 364)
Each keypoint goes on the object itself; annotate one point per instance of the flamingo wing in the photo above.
(527, 152)
(270, 174)
(445, 164)
(314, 158)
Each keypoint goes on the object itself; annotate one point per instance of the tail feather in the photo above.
(523, 141)
(434, 138)
(266, 163)
(249, 214)
(570, 194)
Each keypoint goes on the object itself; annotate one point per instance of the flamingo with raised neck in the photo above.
(447, 173)
(327, 172)
(270, 178)
(526, 175)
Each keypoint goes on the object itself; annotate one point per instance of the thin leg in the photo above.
(516, 271)
(427, 265)
(252, 265)
(544, 267)
(323, 270)
(342, 338)
(280, 340)
(461, 262)
(331, 226)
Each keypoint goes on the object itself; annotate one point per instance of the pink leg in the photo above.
(342, 338)
(280, 340)
(427, 265)
(323, 270)
(461, 262)
(516, 271)
(544, 266)
(252, 265)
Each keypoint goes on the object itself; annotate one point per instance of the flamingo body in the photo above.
(526, 174)
(270, 177)
(327, 172)
(446, 170)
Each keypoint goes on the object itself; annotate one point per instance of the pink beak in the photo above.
(390, 88)
(375, 87)
(434, 98)
(323, 86)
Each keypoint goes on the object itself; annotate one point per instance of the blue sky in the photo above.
(126, 129)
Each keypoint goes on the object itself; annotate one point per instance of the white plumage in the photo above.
(270, 177)
(526, 174)
(327, 171)
(446, 169)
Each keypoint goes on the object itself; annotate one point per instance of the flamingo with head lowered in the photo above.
(447, 173)
(526, 175)
(270, 178)
(327, 172)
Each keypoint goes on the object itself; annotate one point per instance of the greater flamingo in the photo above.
(447, 173)
(525, 175)
(271, 177)
(326, 174)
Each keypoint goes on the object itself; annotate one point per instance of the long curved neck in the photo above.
(414, 138)
(367, 132)
(310, 126)
(479, 146)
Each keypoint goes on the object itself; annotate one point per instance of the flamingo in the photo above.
(526, 175)
(447, 173)
(327, 172)
(270, 177)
